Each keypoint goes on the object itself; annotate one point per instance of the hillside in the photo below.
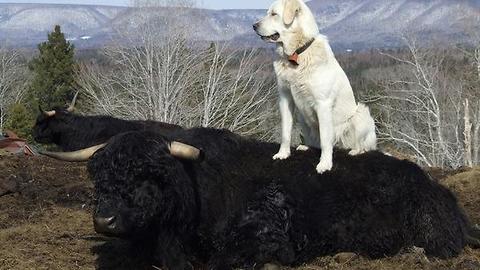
(356, 24)
(380, 23)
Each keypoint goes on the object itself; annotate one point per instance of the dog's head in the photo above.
(286, 20)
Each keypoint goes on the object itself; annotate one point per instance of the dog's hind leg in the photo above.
(361, 136)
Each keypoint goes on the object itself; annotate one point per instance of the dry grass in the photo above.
(466, 186)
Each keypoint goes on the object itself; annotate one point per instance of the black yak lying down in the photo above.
(236, 207)
(73, 132)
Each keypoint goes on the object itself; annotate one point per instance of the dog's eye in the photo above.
(274, 14)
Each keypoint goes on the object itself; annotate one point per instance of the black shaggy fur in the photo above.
(239, 208)
(72, 132)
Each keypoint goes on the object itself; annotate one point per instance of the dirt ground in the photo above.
(45, 223)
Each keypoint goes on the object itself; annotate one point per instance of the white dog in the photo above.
(310, 80)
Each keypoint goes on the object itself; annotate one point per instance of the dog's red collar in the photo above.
(294, 57)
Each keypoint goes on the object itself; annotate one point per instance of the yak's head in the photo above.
(50, 124)
(140, 186)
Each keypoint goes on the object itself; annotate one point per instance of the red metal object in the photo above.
(13, 144)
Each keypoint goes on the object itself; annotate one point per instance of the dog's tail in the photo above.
(361, 137)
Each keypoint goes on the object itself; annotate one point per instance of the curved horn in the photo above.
(46, 113)
(184, 151)
(72, 105)
(76, 156)
(49, 113)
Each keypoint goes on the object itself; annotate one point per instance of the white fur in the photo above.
(318, 88)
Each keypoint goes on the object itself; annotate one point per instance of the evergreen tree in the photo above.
(20, 121)
(53, 70)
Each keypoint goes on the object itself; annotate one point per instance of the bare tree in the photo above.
(147, 82)
(472, 52)
(422, 108)
(467, 133)
(472, 49)
(476, 134)
(237, 94)
(151, 69)
(156, 72)
(10, 70)
(214, 87)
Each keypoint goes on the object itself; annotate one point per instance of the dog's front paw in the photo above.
(355, 152)
(302, 147)
(324, 165)
(282, 154)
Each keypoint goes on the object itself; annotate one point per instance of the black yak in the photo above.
(236, 207)
(73, 132)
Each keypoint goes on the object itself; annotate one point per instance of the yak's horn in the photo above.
(72, 104)
(47, 113)
(76, 156)
(184, 151)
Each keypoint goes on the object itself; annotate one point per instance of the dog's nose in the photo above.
(104, 224)
(255, 26)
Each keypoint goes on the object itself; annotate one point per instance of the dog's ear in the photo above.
(290, 10)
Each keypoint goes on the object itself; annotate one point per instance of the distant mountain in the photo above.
(349, 24)
(28, 24)
(380, 23)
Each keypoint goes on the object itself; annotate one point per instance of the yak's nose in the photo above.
(105, 224)
(255, 26)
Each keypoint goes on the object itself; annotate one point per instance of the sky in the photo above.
(210, 4)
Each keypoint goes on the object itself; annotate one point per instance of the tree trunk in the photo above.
(476, 135)
(467, 133)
